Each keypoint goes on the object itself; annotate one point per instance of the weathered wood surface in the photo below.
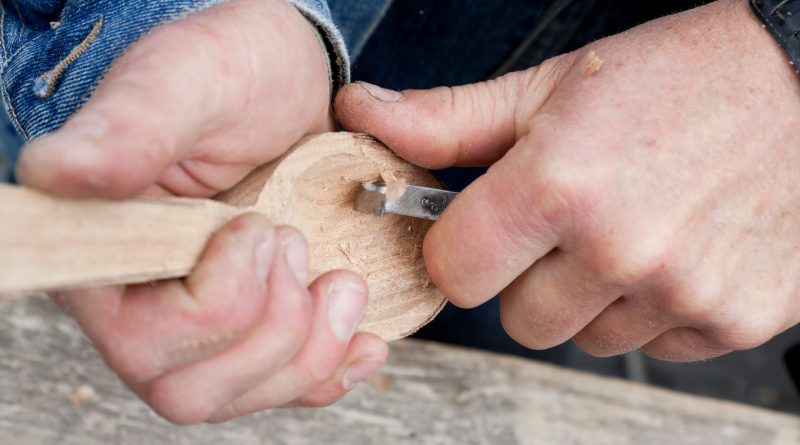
(428, 394)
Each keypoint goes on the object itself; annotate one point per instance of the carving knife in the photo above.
(378, 198)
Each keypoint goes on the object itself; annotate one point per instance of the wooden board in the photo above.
(427, 394)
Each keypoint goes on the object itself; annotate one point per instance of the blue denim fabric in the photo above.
(54, 52)
(10, 143)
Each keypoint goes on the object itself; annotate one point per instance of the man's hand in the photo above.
(644, 191)
(189, 110)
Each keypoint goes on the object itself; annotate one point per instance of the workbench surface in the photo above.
(427, 394)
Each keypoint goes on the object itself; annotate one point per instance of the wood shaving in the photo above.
(395, 187)
(345, 249)
(591, 63)
(81, 395)
(380, 381)
(426, 282)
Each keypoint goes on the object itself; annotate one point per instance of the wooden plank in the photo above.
(427, 394)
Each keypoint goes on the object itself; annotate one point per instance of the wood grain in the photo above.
(427, 394)
(51, 243)
(58, 243)
(314, 190)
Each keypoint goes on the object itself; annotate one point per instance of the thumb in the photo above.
(470, 125)
(143, 117)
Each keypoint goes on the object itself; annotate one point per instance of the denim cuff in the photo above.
(318, 14)
(54, 53)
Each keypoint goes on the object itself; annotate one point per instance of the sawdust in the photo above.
(380, 381)
(591, 63)
(426, 282)
(81, 395)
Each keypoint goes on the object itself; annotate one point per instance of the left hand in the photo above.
(644, 191)
(189, 110)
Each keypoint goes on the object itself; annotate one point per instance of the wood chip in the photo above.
(380, 381)
(81, 395)
(395, 187)
(591, 63)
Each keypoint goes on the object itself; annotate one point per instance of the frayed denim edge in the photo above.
(334, 42)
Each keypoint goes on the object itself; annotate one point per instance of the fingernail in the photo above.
(382, 94)
(346, 305)
(359, 371)
(262, 255)
(295, 251)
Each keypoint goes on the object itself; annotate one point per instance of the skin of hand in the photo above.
(652, 203)
(189, 110)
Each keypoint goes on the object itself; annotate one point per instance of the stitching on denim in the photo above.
(45, 85)
(186, 10)
(21, 21)
(376, 20)
(13, 114)
(3, 30)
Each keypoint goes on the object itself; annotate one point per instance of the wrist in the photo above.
(779, 18)
(758, 45)
(308, 70)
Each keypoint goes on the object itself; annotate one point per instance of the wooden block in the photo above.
(53, 243)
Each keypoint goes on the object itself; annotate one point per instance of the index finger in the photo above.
(494, 230)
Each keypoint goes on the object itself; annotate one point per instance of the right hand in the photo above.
(189, 110)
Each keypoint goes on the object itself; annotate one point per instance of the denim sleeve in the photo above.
(55, 52)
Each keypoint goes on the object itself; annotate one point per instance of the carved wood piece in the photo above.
(53, 243)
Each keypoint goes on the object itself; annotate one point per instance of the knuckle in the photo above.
(235, 310)
(683, 345)
(320, 399)
(695, 309)
(560, 186)
(605, 344)
(319, 373)
(527, 328)
(565, 191)
(226, 313)
(624, 264)
(124, 357)
(175, 407)
(746, 333)
(438, 265)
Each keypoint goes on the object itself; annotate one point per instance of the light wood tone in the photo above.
(50, 243)
(427, 394)
(55, 243)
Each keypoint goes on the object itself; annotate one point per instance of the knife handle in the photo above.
(57, 243)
